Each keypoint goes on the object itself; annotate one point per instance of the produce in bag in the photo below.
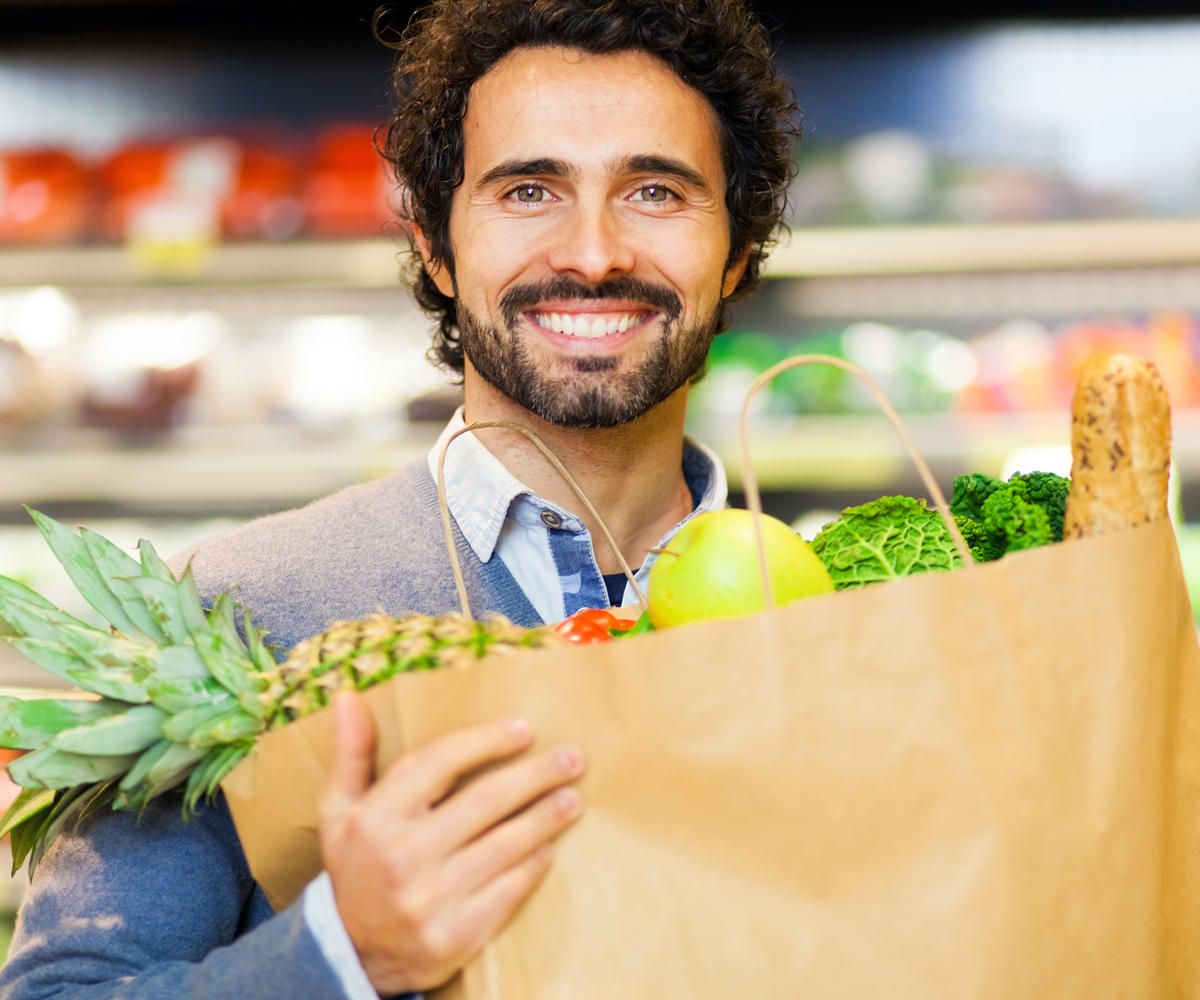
(937, 773)
(183, 695)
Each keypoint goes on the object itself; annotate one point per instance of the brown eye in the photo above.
(655, 193)
(530, 194)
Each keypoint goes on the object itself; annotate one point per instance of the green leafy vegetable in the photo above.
(884, 539)
(997, 517)
(898, 536)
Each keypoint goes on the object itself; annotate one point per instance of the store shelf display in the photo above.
(895, 176)
(232, 184)
(1018, 365)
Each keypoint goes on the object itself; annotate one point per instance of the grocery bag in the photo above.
(975, 785)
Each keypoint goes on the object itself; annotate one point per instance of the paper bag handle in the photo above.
(750, 482)
(444, 506)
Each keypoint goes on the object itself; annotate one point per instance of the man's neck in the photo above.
(632, 474)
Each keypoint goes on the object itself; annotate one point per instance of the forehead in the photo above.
(577, 106)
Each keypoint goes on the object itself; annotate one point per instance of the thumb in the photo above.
(354, 747)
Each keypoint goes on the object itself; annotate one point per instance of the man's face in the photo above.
(590, 235)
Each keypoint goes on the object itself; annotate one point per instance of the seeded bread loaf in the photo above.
(1120, 447)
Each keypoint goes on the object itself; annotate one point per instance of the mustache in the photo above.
(521, 297)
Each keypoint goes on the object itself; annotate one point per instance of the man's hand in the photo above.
(424, 878)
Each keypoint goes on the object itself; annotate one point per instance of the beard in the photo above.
(593, 393)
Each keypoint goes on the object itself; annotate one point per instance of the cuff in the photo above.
(323, 919)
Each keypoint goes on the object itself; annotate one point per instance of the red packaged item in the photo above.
(348, 187)
(44, 197)
(240, 189)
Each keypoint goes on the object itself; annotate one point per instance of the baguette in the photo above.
(1120, 447)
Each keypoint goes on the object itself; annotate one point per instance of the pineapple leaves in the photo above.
(230, 727)
(72, 551)
(114, 565)
(15, 597)
(38, 619)
(259, 652)
(226, 656)
(11, 590)
(73, 804)
(185, 693)
(190, 604)
(29, 724)
(217, 722)
(171, 768)
(51, 767)
(29, 835)
(117, 735)
(132, 790)
(162, 599)
(119, 684)
(180, 727)
(30, 802)
(204, 781)
(180, 663)
(181, 681)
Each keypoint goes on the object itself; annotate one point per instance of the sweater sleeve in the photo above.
(123, 909)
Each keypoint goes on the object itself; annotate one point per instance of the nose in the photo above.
(592, 245)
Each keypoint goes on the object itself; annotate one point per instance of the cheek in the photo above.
(491, 256)
(696, 273)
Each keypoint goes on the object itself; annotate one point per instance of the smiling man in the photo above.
(587, 184)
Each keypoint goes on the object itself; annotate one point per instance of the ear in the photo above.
(436, 268)
(734, 272)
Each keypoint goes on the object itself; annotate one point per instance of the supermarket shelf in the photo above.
(808, 253)
(208, 473)
(1034, 246)
(998, 295)
(202, 473)
(363, 263)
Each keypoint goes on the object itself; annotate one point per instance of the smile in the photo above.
(590, 325)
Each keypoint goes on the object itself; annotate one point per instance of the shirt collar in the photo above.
(481, 492)
(479, 489)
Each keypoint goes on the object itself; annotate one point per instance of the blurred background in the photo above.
(201, 310)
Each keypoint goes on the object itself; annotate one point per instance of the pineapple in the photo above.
(182, 696)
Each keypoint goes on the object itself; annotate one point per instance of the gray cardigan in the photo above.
(163, 909)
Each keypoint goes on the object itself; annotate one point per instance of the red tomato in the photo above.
(591, 625)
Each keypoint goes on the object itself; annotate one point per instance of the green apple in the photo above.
(710, 569)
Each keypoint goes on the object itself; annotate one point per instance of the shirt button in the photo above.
(551, 519)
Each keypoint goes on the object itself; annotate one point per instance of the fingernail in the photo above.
(567, 801)
(569, 759)
(519, 729)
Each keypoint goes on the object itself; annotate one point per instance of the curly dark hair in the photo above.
(716, 46)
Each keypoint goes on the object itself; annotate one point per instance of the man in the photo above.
(587, 184)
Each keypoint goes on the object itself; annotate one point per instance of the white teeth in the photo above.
(589, 326)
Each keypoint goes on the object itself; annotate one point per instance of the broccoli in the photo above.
(984, 547)
(1049, 492)
(996, 517)
(970, 493)
(886, 538)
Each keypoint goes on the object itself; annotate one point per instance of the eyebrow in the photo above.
(636, 164)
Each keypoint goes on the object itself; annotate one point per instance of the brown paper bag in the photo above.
(979, 784)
